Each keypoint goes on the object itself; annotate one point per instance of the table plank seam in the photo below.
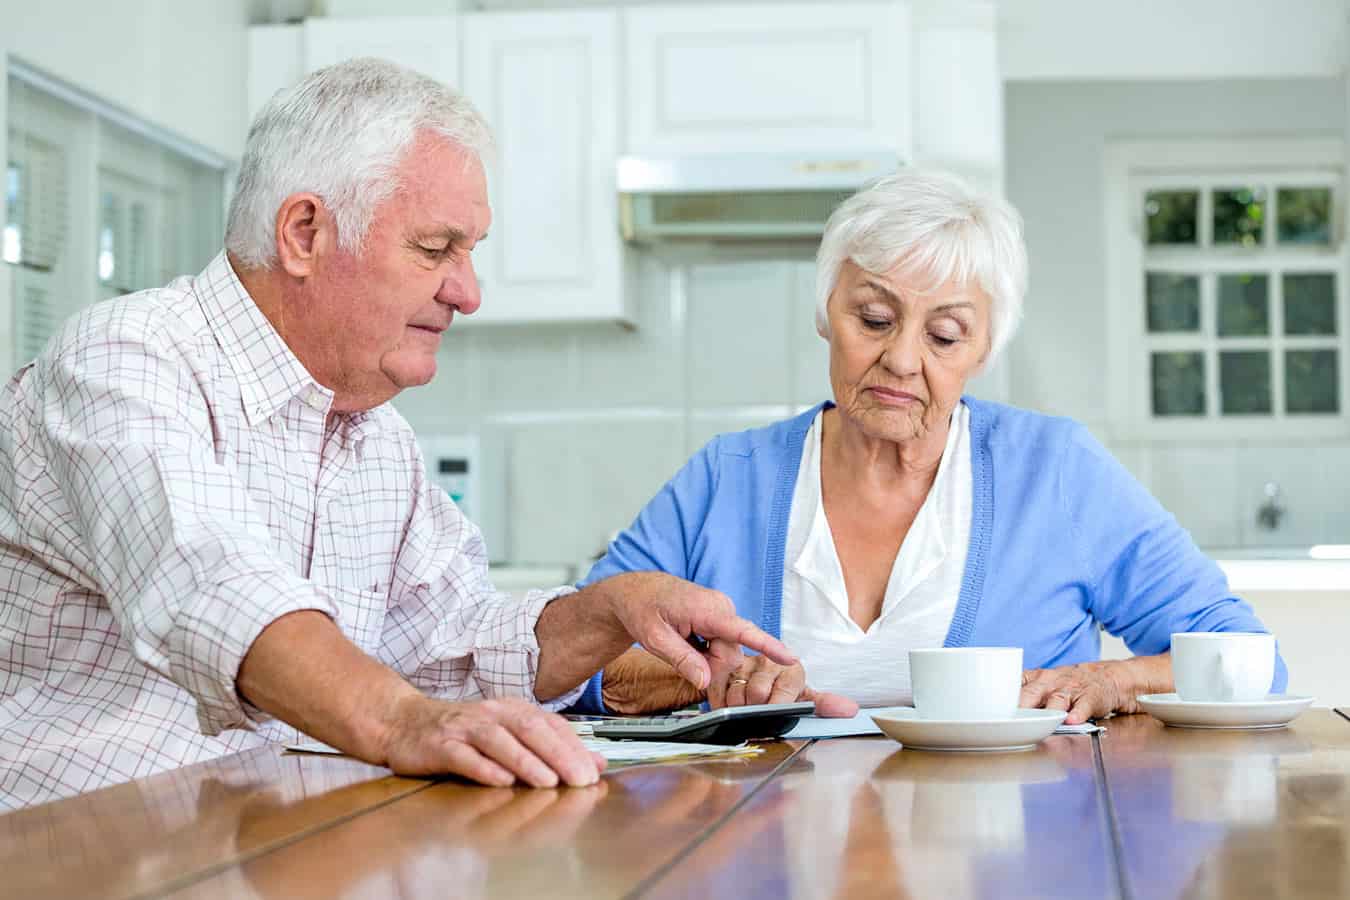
(1111, 821)
(651, 880)
(210, 871)
(1340, 712)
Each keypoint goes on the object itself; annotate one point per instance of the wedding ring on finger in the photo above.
(738, 681)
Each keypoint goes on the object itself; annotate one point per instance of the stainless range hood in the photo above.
(739, 196)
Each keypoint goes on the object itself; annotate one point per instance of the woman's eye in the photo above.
(943, 340)
(875, 324)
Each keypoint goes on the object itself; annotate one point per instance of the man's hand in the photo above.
(304, 671)
(497, 742)
(761, 680)
(581, 633)
(1098, 689)
(662, 612)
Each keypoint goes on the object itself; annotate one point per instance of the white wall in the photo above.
(1056, 132)
(1156, 40)
(581, 425)
(179, 63)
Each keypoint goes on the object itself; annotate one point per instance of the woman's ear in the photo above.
(304, 230)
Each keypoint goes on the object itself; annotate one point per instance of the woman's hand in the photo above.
(1096, 690)
(761, 680)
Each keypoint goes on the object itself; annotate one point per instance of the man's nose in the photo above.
(460, 289)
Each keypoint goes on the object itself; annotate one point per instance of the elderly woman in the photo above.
(906, 515)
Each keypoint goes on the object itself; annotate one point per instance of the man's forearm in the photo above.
(304, 671)
(577, 635)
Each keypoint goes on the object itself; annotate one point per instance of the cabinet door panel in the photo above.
(428, 44)
(729, 78)
(548, 84)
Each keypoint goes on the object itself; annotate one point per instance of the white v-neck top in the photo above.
(872, 666)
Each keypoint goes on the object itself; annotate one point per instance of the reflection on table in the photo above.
(869, 819)
(1142, 810)
(1233, 813)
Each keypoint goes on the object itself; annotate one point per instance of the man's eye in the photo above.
(434, 251)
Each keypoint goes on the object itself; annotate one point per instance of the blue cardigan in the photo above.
(1062, 538)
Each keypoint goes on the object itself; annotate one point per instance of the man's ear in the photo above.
(305, 230)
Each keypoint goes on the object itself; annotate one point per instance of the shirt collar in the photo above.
(269, 374)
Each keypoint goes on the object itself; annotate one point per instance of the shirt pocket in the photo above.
(361, 616)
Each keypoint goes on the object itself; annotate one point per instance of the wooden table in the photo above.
(1142, 811)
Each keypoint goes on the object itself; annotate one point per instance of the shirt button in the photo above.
(316, 400)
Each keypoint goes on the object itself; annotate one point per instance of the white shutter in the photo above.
(37, 322)
(40, 216)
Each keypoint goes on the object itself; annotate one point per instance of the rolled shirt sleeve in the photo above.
(449, 631)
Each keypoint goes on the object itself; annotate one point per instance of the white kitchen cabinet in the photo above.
(548, 84)
(280, 55)
(429, 44)
(276, 60)
(958, 94)
(818, 77)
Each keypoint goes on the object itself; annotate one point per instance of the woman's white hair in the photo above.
(935, 226)
(341, 133)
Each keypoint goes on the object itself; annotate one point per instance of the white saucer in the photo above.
(1276, 711)
(1022, 732)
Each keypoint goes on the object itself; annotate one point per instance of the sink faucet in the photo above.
(1269, 513)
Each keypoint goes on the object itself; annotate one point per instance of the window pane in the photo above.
(1179, 384)
(1238, 215)
(11, 247)
(1243, 307)
(1311, 381)
(1310, 304)
(1171, 216)
(1173, 302)
(1244, 382)
(1304, 215)
(109, 213)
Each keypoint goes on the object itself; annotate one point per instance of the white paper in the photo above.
(818, 727)
(862, 724)
(612, 751)
(657, 751)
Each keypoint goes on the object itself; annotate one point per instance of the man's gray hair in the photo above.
(341, 133)
(936, 226)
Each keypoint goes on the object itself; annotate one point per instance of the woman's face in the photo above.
(899, 357)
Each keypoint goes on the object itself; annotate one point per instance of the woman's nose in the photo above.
(903, 355)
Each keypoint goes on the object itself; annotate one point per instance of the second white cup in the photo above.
(1223, 666)
(966, 683)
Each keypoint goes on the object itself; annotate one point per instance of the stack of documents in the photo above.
(634, 753)
(618, 753)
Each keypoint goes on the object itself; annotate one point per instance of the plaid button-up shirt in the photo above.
(171, 482)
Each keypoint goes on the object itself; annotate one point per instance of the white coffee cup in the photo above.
(1223, 666)
(966, 683)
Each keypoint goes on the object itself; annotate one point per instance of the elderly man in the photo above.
(215, 533)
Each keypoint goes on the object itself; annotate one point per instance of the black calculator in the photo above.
(729, 725)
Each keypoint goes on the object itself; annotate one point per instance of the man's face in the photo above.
(381, 311)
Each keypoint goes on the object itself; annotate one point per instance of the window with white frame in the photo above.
(97, 204)
(1229, 281)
